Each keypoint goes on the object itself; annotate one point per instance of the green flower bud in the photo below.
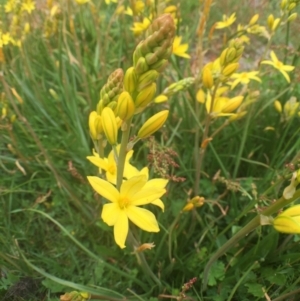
(141, 66)
(153, 124)
(145, 96)
(109, 125)
(130, 80)
(146, 79)
(126, 107)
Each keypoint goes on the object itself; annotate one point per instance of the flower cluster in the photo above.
(18, 13)
(121, 98)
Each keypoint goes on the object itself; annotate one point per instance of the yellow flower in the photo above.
(288, 221)
(180, 49)
(82, 1)
(10, 6)
(291, 107)
(244, 78)
(6, 38)
(28, 5)
(109, 165)
(139, 27)
(124, 205)
(226, 21)
(111, 1)
(153, 124)
(279, 65)
(109, 125)
(222, 106)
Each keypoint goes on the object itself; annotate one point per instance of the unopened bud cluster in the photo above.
(125, 95)
(224, 66)
(111, 90)
(149, 59)
(174, 88)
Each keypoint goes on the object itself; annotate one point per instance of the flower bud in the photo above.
(283, 4)
(230, 55)
(141, 66)
(276, 24)
(125, 108)
(146, 79)
(153, 124)
(160, 65)
(207, 78)
(145, 96)
(109, 125)
(292, 17)
(292, 6)
(230, 69)
(232, 104)
(270, 21)
(253, 19)
(200, 96)
(130, 80)
(92, 118)
(160, 98)
(288, 221)
(278, 106)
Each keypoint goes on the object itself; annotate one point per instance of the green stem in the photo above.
(287, 37)
(142, 260)
(202, 149)
(253, 224)
(123, 152)
(255, 264)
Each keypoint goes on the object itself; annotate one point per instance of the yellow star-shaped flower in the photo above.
(109, 165)
(244, 78)
(227, 21)
(125, 204)
(180, 49)
(279, 66)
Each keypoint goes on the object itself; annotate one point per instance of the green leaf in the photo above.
(255, 289)
(217, 272)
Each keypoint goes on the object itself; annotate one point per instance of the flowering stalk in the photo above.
(253, 224)
(123, 152)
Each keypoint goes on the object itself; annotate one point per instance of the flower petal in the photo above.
(159, 203)
(273, 57)
(286, 76)
(104, 188)
(143, 218)
(157, 183)
(146, 196)
(286, 224)
(112, 178)
(110, 213)
(121, 229)
(130, 171)
(99, 162)
(132, 186)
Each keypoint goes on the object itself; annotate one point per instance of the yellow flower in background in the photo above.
(244, 78)
(28, 5)
(223, 105)
(291, 107)
(227, 21)
(5, 39)
(110, 166)
(110, 1)
(10, 6)
(125, 204)
(288, 221)
(82, 1)
(279, 66)
(180, 49)
(139, 27)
